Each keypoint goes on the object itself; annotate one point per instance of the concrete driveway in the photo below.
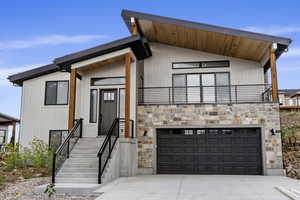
(192, 187)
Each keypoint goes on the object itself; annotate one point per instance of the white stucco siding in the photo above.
(36, 118)
(158, 68)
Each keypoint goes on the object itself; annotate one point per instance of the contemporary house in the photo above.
(174, 97)
(289, 98)
(5, 122)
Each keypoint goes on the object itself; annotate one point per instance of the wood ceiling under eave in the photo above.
(217, 43)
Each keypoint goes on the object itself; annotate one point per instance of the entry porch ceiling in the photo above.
(204, 37)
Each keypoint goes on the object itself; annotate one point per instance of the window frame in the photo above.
(111, 77)
(97, 99)
(200, 85)
(56, 104)
(200, 64)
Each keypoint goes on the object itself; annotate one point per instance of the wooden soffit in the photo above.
(212, 42)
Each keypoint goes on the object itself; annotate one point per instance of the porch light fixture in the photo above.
(145, 133)
(272, 132)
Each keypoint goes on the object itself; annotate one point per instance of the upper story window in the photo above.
(205, 64)
(56, 92)
(108, 81)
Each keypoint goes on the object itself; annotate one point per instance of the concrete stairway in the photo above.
(82, 166)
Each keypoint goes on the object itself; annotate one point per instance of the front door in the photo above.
(108, 109)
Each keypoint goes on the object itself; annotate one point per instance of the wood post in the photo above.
(72, 99)
(13, 137)
(127, 93)
(273, 75)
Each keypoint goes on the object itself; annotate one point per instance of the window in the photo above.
(186, 65)
(2, 137)
(108, 81)
(201, 88)
(57, 92)
(122, 103)
(204, 64)
(56, 138)
(109, 96)
(93, 105)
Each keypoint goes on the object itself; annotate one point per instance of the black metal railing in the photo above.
(108, 145)
(255, 93)
(63, 151)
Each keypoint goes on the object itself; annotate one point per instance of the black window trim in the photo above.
(200, 84)
(107, 77)
(45, 97)
(200, 64)
(97, 97)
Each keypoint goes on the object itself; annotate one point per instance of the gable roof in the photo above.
(6, 118)
(228, 41)
(137, 43)
(33, 73)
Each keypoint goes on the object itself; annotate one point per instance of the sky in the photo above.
(34, 32)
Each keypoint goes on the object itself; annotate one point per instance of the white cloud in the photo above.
(274, 30)
(7, 71)
(48, 40)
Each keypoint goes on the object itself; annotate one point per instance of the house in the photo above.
(5, 122)
(175, 97)
(289, 98)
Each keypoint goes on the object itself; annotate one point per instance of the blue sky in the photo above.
(34, 32)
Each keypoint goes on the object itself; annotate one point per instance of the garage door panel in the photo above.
(209, 151)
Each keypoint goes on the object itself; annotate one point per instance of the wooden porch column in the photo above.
(72, 99)
(13, 137)
(273, 74)
(127, 93)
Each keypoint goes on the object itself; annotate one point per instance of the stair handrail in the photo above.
(66, 147)
(107, 143)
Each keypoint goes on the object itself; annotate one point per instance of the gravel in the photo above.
(24, 191)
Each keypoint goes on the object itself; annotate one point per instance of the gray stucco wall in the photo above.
(265, 116)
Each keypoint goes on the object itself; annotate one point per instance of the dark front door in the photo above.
(209, 151)
(108, 109)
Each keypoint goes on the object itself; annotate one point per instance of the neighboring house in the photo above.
(289, 98)
(192, 98)
(5, 122)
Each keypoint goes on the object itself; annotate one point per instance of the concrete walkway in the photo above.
(200, 187)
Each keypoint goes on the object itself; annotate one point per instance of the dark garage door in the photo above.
(209, 151)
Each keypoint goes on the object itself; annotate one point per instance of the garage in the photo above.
(209, 151)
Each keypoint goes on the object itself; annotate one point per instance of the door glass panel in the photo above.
(122, 103)
(208, 83)
(193, 89)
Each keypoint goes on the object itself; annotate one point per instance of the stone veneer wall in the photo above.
(265, 115)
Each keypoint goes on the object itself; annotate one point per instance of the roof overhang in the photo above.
(18, 79)
(6, 119)
(136, 43)
(204, 37)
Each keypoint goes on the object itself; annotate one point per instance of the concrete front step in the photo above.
(77, 175)
(76, 180)
(80, 165)
(79, 170)
(80, 155)
(87, 151)
(83, 160)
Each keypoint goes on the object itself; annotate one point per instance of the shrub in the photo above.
(38, 155)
